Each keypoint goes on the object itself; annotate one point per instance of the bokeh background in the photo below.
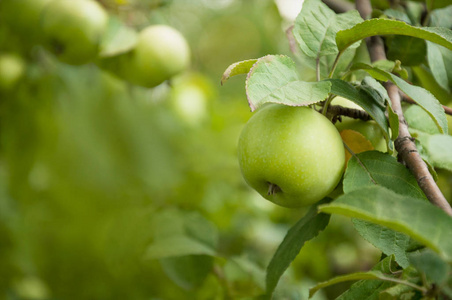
(95, 171)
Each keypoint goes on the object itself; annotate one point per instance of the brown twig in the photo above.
(408, 99)
(337, 110)
(404, 143)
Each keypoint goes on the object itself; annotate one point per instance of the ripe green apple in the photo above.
(293, 156)
(369, 129)
(73, 29)
(12, 68)
(160, 53)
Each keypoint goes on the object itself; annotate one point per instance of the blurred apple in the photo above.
(161, 52)
(12, 68)
(73, 29)
(190, 98)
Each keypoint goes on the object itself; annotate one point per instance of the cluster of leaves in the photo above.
(389, 209)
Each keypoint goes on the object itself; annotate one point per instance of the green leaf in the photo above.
(384, 170)
(441, 17)
(437, 65)
(409, 50)
(424, 78)
(118, 39)
(241, 67)
(178, 233)
(420, 95)
(397, 15)
(187, 271)
(439, 150)
(419, 119)
(316, 27)
(373, 106)
(393, 120)
(417, 218)
(398, 291)
(369, 289)
(274, 78)
(177, 246)
(429, 263)
(304, 230)
(434, 4)
(390, 242)
(438, 35)
(371, 275)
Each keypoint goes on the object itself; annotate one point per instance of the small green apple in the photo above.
(293, 156)
(73, 29)
(160, 53)
(369, 129)
(12, 68)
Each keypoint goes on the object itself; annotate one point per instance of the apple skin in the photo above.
(293, 156)
(160, 53)
(12, 68)
(73, 29)
(369, 129)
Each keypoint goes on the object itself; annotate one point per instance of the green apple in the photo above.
(73, 29)
(293, 156)
(160, 53)
(369, 129)
(12, 68)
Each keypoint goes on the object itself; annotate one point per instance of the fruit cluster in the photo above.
(75, 30)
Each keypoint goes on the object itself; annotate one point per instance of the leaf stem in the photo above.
(407, 283)
(317, 68)
(335, 64)
(327, 104)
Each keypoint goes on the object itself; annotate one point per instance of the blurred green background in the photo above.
(94, 172)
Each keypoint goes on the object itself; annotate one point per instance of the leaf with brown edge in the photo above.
(240, 67)
(274, 78)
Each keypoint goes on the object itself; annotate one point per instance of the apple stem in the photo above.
(273, 189)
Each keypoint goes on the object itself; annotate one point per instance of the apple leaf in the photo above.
(348, 37)
(178, 234)
(370, 289)
(390, 242)
(438, 148)
(421, 96)
(373, 106)
(437, 65)
(274, 78)
(371, 275)
(375, 167)
(417, 218)
(441, 17)
(316, 27)
(304, 230)
(409, 50)
(384, 170)
(241, 67)
(189, 271)
(429, 263)
(118, 39)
